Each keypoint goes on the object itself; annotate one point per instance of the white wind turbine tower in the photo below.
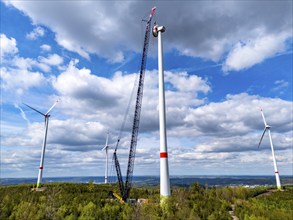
(164, 164)
(46, 115)
(267, 128)
(106, 149)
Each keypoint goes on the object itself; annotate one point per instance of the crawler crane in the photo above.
(125, 187)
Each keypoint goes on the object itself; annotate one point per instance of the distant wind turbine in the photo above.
(46, 115)
(106, 149)
(267, 128)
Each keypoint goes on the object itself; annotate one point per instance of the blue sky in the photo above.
(223, 60)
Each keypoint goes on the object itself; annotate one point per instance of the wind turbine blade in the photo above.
(263, 117)
(107, 139)
(34, 109)
(106, 145)
(52, 107)
(262, 136)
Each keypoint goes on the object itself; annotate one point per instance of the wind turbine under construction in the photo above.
(47, 116)
(267, 128)
(164, 165)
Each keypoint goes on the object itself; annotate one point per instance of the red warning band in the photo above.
(276, 172)
(163, 155)
(41, 168)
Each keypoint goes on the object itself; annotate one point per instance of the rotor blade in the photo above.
(106, 145)
(107, 139)
(34, 109)
(263, 117)
(52, 107)
(262, 136)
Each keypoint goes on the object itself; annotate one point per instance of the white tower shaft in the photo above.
(106, 165)
(106, 170)
(278, 182)
(164, 167)
(43, 152)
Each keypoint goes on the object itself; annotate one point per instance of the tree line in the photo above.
(94, 201)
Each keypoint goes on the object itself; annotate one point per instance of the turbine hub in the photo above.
(158, 28)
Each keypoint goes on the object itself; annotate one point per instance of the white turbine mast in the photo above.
(47, 116)
(106, 166)
(267, 128)
(164, 165)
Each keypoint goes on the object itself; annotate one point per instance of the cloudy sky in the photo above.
(223, 60)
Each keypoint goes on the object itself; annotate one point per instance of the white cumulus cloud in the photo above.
(20, 80)
(36, 33)
(45, 47)
(52, 60)
(247, 54)
(8, 46)
(109, 29)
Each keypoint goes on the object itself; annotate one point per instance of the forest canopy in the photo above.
(95, 201)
